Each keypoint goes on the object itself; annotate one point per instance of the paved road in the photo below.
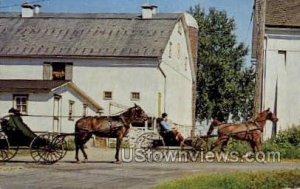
(99, 172)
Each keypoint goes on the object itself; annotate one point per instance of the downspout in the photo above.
(263, 85)
(165, 85)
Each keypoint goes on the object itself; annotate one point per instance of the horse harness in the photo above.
(258, 127)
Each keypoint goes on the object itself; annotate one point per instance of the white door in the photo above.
(57, 114)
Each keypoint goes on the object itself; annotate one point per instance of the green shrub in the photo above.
(286, 142)
(70, 144)
(242, 147)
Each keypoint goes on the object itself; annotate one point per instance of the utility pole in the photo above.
(259, 24)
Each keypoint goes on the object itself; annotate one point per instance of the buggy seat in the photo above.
(168, 137)
(17, 131)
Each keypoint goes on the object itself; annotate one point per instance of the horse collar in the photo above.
(258, 126)
(123, 120)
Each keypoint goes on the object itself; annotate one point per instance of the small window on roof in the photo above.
(107, 95)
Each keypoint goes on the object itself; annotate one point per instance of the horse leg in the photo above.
(224, 144)
(253, 146)
(77, 149)
(88, 136)
(118, 146)
(219, 141)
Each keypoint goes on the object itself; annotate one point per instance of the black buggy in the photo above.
(47, 147)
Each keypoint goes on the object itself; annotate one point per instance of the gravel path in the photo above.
(99, 172)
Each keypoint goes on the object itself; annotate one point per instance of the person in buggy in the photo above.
(171, 136)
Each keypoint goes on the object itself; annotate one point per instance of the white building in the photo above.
(281, 91)
(146, 59)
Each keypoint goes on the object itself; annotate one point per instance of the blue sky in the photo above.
(240, 10)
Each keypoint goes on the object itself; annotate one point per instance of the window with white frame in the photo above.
(71, 110)
(107, 95)
(21, 103)
(135, 96)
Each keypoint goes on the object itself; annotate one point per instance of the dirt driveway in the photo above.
(99, 172)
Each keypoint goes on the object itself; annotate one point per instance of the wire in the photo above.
(17, 5)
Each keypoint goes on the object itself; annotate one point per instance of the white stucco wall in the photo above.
(282, 74)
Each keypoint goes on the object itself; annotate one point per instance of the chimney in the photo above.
(148, 11)
(154, 9)
(37, 8)
(27, 10)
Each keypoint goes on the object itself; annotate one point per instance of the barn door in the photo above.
(57, 114)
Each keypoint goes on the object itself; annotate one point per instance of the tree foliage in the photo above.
(225, 85)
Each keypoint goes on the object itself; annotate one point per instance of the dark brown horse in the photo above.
(250, 131)
(109, 127)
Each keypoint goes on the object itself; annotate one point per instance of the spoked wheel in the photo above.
(200, 144)
(153, 142)
(4, 147)
(47, 148)
(61, 145)
(12, 152)
(145, 141)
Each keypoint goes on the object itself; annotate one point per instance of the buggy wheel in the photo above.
(4, 147)
(60, 145)
(146, 140)
(47, 148)
(200, 144)
(12, 152)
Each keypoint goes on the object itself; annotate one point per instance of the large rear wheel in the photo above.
(48, 148)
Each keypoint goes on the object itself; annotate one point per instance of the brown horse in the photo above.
(109, 127)
(250, 131)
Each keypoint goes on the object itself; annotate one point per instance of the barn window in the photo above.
(107, 95)
(135, 96)
(84, 110)
(21, 103)
(71, 110)
(57, 71)
(283, 54)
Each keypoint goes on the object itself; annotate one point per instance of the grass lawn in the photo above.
(237, 180)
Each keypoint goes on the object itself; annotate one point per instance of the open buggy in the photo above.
(47, 147)
(159, 140)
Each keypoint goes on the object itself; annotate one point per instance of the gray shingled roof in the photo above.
(97, 35)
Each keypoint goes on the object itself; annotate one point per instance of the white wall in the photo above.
(40, 109)
(121, 76)
(176, 65)
(282, 73)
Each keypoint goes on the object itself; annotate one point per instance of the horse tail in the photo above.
(213, 124)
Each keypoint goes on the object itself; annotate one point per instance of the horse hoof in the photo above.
(117, 162)
(77, 161)
(85, 161)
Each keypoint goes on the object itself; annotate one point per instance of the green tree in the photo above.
(225, 85)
